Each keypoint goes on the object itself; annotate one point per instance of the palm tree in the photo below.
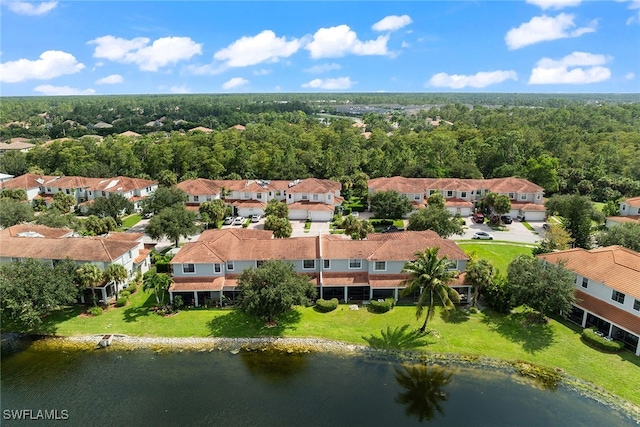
(90, 275)
(430, 276)
(480, 273)
(116, 273)
(423, 390)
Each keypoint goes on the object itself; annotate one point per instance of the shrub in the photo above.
(325, 306)
(121, 302)
(473, 310)
(162, 266)
(246, 223)
(590, 337)
(346, 211)
(95, 311)
(178, 303)
(125, 294)
(382, 306)
(132, 288)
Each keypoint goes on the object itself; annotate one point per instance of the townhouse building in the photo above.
(607, 290)
(462, 195)
(310, 198)
(629, 212)
(351, 270)
(52, 245)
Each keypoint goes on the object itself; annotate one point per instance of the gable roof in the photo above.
(16, 145)
(315, 185)
(28, 181)
(633, 201)
(614, 266)
(35, 230)
(420, 185)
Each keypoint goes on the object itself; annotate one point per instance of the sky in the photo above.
(163, 47)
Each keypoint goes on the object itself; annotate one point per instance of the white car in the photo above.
(355, 214)
(228, 220)
(239, 220)
(482, 236)
(255, 218)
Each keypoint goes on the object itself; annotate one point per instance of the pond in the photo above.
(142, 387)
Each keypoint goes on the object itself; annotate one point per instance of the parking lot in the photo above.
(516, 232)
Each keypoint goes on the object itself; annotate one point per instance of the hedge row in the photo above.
(325, 306)
(590, 337)
(382, 306)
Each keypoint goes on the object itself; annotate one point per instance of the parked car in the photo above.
(392, 229)
(546, 226)
(481, 235)
(228, 220)
(255, 218)
(355, 214)
(506, 219)
(520, 218)
(478, 218)
(239, 220)
(147, 215)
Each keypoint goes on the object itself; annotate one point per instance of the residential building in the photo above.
(629, 212)
(607, 290)
(462, 195)
(350, 270)
(310, 198)
(55, 244)
(83, 189)
(16, 144)
(6, 177)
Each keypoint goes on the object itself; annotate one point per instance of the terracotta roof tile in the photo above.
(633, 201)
(144, 253)
(315, 185)
(43, 230)
(387, 280)
(621, 219)
(191, 284)
(615, 266)
(345, 279)
(27, 181)
(310, 206)
(608, 312)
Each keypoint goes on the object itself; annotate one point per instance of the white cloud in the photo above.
(24, 8)
(234, 83)
(635, 4)
(339, 41)
(554, 4)
(405, 45)
(51, 64)
(261, 72)
(629, 76)
(340, 83)
(545, 28)
(110, 80)
(148, 57)
(179, 89)
(478, 80)
(576, 68)
(322, 68)
(265, 47)
(50, 90)
(392, 23)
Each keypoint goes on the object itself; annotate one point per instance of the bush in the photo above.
(246, 223)
(590, 337)
(125, 294)
(178, 303)
(346, 211)
(122, 301)
(325, 306)
(162, 266)
(95, 311)
(382, 306)
(381, 222)
(132, 288)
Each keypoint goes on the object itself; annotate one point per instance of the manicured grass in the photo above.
(554, 345)
(131, 220)
(499, 254)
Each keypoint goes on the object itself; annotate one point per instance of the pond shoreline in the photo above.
(122, 342)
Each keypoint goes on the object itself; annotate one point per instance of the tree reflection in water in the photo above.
(423, 389)
(274, 366)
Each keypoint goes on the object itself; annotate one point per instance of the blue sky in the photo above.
(157, 47)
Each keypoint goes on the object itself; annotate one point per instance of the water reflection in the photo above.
(274, 366)
(423, 390)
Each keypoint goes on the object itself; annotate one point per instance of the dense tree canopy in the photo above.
(389, 204)
(163, 197)
(281, 227)
(14, 212)
(627, 235)
(437, 218)
(113, 206)
(577, 212)
(173, 222)
(273, 289)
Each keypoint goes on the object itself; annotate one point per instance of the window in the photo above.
(315, 197)
(305, 197)
(538, 196)
(247, 195)
(68, 191)
(636, 305)
(523, 197)
(208, 198)
(278, 193)
(463, 194)
(309, 264)
(329, 197)
(327, 264)
(259, 263)
(196, 198)
(259, 196)
(416, 197)
(229, 265)
(188, 268)
(217, 268)
(585, 282)
(15, 259)
(380, 266)
(512, 195)
(617, 296)
(355, 263)
(449, 193)
(452, 265)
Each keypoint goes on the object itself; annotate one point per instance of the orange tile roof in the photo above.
(28, 181)
(121, 184)
(420, 185)
(125, 237)
(457, 203)
(194, 284)
(311, 206)
(629, 218)
(16, 145)
(633, 201)
(144, 253)
(399, 184)
(608, 312)
(387, 280)
(315, 185)
(528, 206)
(43, 230)
(615, 266)
(345, 279)
(248, 204)
(201, 129)
(199, 186)
(512, 185)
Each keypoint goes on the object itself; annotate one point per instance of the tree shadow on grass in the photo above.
(397, 339)
(131, 314)
(456, 315)
(236, 324)
(518, 328)
(49, 325)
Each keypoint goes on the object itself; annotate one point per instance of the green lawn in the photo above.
(555, 345)
(499, 254)
(131, 220)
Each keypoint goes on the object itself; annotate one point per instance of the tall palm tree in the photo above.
(89, 275)
(430, 275)
(116, 273)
